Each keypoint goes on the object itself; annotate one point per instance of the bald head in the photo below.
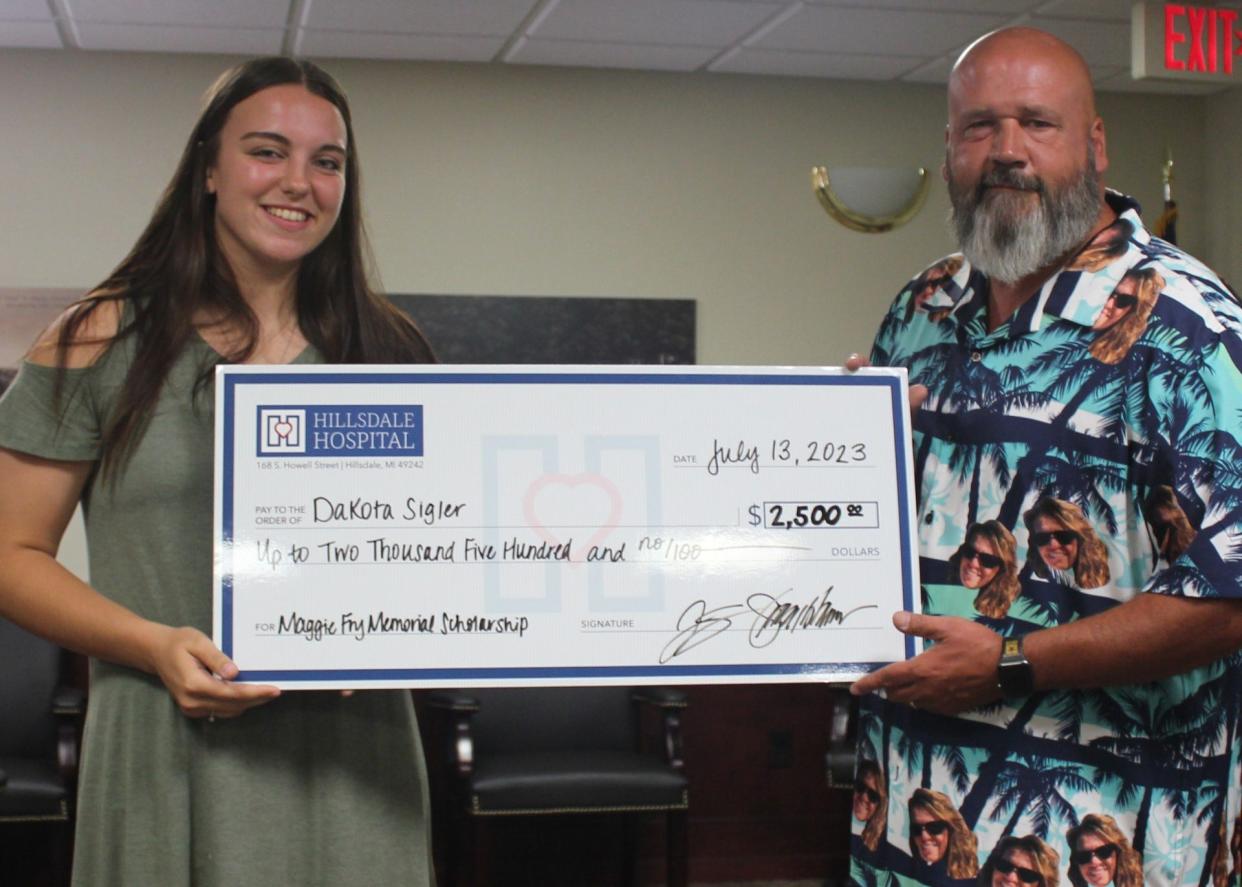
(1025, 154)
(1045, 62)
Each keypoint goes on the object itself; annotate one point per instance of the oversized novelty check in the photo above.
(425, 526)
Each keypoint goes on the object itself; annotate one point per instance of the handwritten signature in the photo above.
(772, 615)
(697, 624)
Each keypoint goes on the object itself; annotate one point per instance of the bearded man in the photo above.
(1119, 696)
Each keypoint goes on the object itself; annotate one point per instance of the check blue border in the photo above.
(901, 436)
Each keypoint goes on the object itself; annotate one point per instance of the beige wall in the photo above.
(1222, 164)
(512, 180)
(525, 181)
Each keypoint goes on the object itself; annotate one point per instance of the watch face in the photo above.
(1014, 671)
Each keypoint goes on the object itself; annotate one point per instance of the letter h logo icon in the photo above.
(282, 431)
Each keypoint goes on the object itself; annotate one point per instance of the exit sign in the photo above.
(1182, 41)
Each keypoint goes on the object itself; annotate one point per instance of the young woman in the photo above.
(940, 843)
(1063, 546)
(254, 255)
(870, 804)
(1020, 862)
(988, 561)
(1100, 854)
(1123, 319)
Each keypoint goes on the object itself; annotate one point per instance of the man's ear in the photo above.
(1099, 144)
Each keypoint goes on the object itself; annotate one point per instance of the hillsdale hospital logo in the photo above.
(337, 430)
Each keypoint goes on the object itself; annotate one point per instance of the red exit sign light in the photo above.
(1182, 41)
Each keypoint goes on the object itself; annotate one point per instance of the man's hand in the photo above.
(956, 674)
(918, 393)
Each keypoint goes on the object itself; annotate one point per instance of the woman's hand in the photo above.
(200, 677)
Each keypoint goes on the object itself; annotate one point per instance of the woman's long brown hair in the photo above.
(176, 271)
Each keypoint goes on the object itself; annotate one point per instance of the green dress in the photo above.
(311, 789)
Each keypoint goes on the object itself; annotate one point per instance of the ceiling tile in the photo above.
(218, 13)
(1112, 10)
(1100, 43)
(938, 72)
(25, 11)
(912, 40)
(611, 55)
(815, 64)
(165, 38)
(663, 22)
(29, 35)
(935, 71)
(1006, 7)
(886, 31)
(425, 47)
(481, 17)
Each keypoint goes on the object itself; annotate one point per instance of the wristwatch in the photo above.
(1013, 673)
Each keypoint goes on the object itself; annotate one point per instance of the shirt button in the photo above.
(976, 356)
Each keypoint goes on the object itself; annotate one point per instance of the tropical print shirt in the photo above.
(1086, 451)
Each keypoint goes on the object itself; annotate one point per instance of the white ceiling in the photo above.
(903, 40)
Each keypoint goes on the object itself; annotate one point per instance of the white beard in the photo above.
(1007, 240)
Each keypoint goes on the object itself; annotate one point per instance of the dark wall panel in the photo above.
(540, 329)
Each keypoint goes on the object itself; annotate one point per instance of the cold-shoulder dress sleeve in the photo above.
(36, 420)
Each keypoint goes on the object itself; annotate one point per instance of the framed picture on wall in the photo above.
(542, 329)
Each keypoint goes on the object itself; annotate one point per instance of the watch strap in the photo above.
(1014, 675)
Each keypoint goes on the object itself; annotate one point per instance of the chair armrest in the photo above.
(670, 704)
(68, 702)
(660, 697)
(841, 761)
(453, 700)
(68, 706)
(458, 708)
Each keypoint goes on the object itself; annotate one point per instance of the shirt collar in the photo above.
(1076, 293)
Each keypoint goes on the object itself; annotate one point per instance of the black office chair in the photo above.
(560, 751)
(39, 731)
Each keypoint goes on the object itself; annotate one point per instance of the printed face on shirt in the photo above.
(979, 563)
(931, 835)
(866, 797)
(1058, 545)
(1096, 859)
(1107, 246)
(923, 296)
(1015, 869)
(1121, 301)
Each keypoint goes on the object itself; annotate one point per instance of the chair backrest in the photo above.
(29, 674)
(553, 719)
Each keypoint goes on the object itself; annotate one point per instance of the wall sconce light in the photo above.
(871, 199)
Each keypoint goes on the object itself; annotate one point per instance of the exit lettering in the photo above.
(1208, 35)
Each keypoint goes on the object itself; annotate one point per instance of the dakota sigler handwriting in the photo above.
(772, 615)
(697, 625)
